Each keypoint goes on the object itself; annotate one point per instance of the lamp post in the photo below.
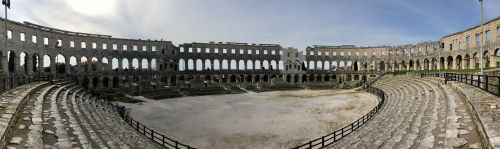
(481, 38)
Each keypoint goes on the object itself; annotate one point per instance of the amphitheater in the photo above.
(65, 89)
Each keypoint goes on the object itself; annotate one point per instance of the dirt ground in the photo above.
(281, 119)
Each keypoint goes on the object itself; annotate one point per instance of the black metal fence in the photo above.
(141, 128)
(490, 84)
(331, 138)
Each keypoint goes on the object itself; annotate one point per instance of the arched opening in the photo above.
(145, 64)
(233, 79)
(288, 78)
(441, 63)
(266, 78)
(208, 64)
(412, 65)
(11, 58)
(225, 64)
(355, 66)
(249, 78)
(233, 64)
(458, 62)
(85, 82)
(216, 64)
(182, 65)
(382, 66)
(467, 61)
(125, 64)
(116, 82)
(60, 63)
(46, 63)
(105, 82)
(93, 63)
(135, 64)
(72, 64)
(249, 65)
(449, 62)
(304, 78)
(173, 80)
(95, 82)
(36, 63)
(23, 61)
(257, 78)
(296, 79)
(153, 64)
(241, 65)
(486, 59)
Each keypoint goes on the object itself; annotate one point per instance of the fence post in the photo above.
(323, 141)
(486, 83)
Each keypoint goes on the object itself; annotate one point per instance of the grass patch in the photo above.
(275, 87)
(161, 94)
(205, 91)
(321, 86)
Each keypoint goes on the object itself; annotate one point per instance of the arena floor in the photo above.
(281, 119)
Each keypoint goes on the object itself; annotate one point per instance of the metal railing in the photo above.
(331, 138)
(141, 128)
(490, 84)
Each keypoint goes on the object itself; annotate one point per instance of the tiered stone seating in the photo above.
(486, 108)
(419, 113)
(66, 116)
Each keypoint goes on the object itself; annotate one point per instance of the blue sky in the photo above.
(291, 23)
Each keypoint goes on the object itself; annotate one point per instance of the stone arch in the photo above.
(105, 82)
(208, 64)
(257, 65)
(449, 62)
(85, 82)
(182, 65)
(46, 63)
(233, 64)
(273, 65)
(35, 63)
(125, 64)
(382, 66)
(319, 65)
(225, 64)
(249, 65)
(11, 61)
(60, 62)
(466, 61)
(311, 65)
(216, 64)
(355, 66)
(95, 82)
(265, 65)
(145, 64)
(190, 64)
(458, 62)
(153, 64)
(241, 65)
(199, 65)
(116, 82)
(326, 65)
(23, 61)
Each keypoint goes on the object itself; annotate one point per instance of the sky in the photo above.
(290, 23)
